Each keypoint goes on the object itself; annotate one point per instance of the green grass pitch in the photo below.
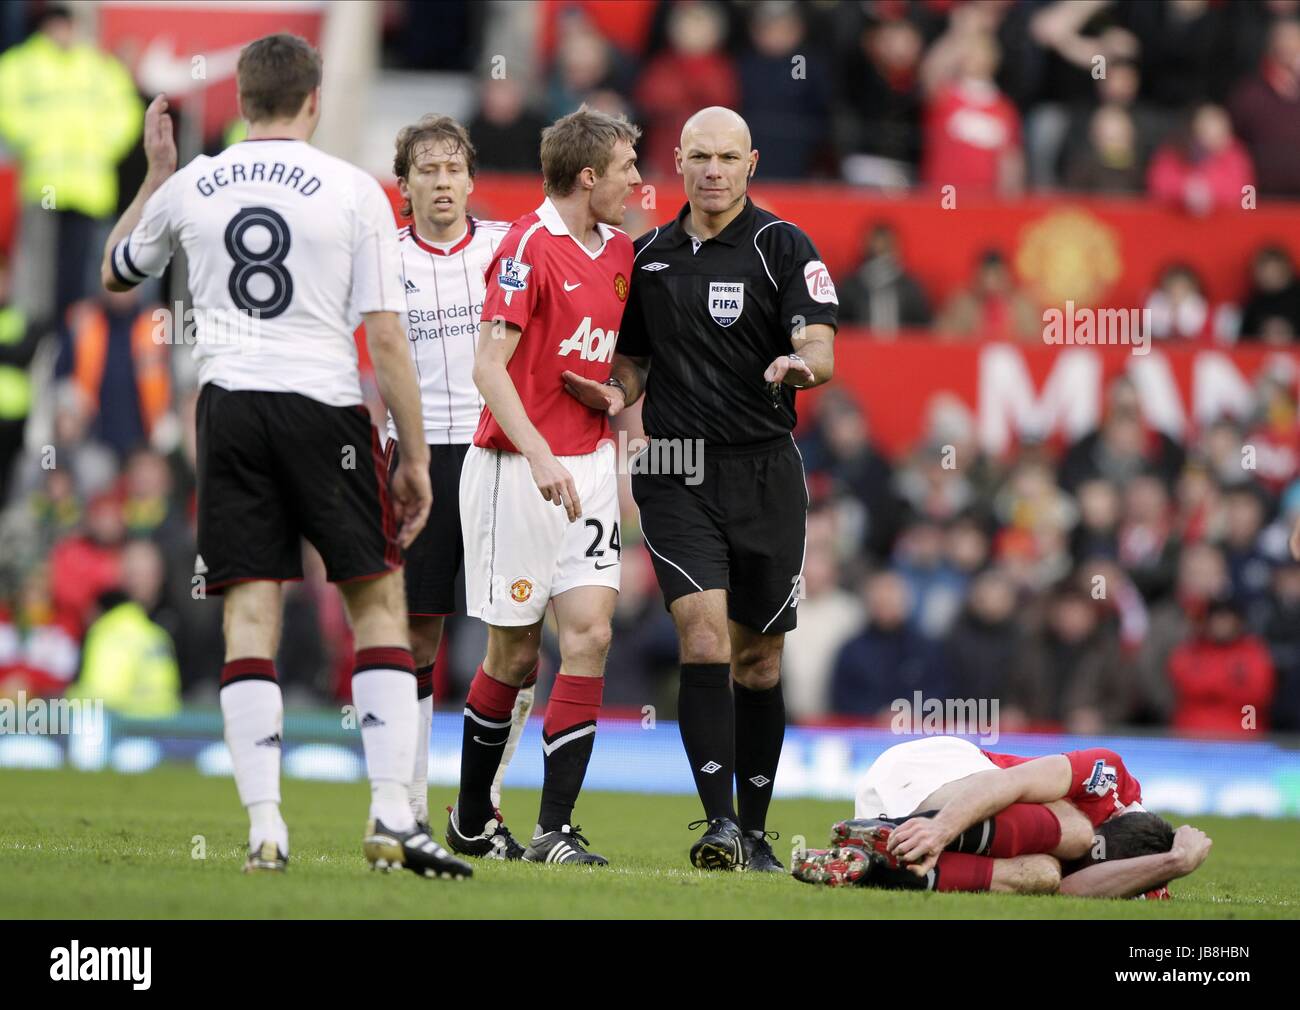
(102, 845)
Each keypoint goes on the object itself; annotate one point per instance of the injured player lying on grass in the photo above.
(940, 814)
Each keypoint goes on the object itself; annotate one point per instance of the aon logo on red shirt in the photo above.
(591, 343)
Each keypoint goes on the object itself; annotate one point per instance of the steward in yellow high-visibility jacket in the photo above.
(18, 344)
(70, 114)
(129, 662)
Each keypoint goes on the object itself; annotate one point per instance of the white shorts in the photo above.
(902, 777)
(520, 549)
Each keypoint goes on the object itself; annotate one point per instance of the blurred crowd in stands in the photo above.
(884, 295)
(1186, 100)
(1124, 579)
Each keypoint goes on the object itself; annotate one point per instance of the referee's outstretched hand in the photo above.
(778, 369)
(412, 497)
(556, 484)
(593, 394)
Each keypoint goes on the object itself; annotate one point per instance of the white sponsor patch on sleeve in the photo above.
(820, 286)
(513, 275)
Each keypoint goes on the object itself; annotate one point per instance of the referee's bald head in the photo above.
(716, 160)
(716, 120)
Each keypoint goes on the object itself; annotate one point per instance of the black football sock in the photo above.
(707, 719)
(568, 733)
(487, 728)
(975, 840)
(760, 732)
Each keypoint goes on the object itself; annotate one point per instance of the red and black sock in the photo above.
(568, 733)
(487, 728)
(706, 716)
(424, 682)
(959, 871)
(760, 733)
(1021, 829)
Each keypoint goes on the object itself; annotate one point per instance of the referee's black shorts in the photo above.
(741, 528)
(434, 560)
(274, 468)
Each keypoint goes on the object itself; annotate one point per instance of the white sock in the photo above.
(388, 714)
(265, 822)
(518, 720)
(419, 792)
(253, 713)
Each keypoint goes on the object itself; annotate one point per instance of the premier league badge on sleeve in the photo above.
(1102, 780)
(726, 301)
(513, 275)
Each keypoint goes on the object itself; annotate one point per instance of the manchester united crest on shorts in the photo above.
(521, 590)
(726, 301)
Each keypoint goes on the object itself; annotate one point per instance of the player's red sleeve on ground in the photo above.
(1005, 760)
(1100, 784)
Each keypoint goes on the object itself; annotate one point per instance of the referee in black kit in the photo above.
(731, 310)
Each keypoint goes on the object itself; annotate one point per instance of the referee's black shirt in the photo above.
(711, 316)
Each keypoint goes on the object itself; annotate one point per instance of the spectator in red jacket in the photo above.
(693, 73)
(84, 566)
(1207, 170)
(972, 130)
(1266, 112)
(1222, 677)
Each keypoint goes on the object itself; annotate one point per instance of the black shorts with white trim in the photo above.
(741, 528)
(277, 468)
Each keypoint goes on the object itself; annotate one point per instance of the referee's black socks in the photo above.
(760, 732)
(707, 719)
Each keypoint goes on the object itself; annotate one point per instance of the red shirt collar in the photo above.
(434, 250)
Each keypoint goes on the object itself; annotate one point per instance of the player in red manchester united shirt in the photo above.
(538, 490)
(940, 814)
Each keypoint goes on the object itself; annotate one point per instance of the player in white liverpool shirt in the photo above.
(289, 249)
(445, 253)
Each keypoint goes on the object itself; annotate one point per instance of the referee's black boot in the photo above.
(758, 853)
(720, 847)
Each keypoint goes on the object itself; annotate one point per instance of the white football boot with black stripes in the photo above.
(415, 850)
(266, 858)
(562, 846)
